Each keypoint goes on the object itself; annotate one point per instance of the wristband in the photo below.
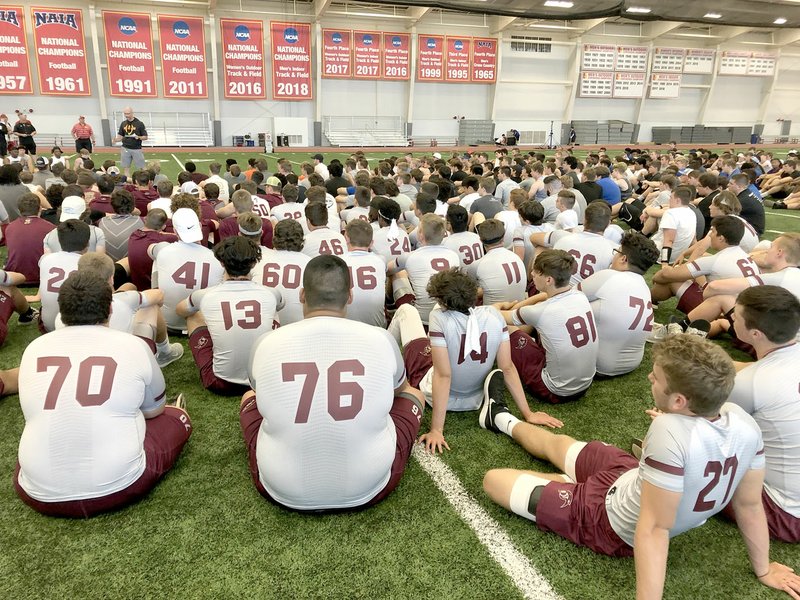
(666, 254)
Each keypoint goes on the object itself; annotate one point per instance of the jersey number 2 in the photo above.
(717, 470)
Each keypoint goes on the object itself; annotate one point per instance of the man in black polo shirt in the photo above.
(590, 190)
(24, 130)
(132, 133)
(752, 209)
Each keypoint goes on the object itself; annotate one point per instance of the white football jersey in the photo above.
(388, 249)
(623, 313)
(466, 244)
(237, 313)
(53, 271)
(703, 460)
(123, 311)
(728, 263)
(768, 390)
(96, 238)
(421, 265)
(511, 220)
(788, 279)
(282, 270)
(291, 210)
(750, 238)
(592, 252)
(84, 392)
(568, 334)
(325, 387)
(180, 269)
(501, 275)
(368, 283)
(683, 220)
(351, 214)
(260, 206)
(522, 239)
(324, 241)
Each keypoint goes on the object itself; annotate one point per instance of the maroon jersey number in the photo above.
(251, 314)
(581, 330)
(471, 253)
(746, 267)
(364, 278)
(513, 272)
(57, 276)
(292, 276)
(586, 263)
(185, 275)
(89, 367)
(337, 389)
(477, 356)
(640, 306)
(717, 471)
(400, 246)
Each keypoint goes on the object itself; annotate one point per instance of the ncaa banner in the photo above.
(396, 56)
(243, 59)
(430, 58)
(484, 60)
(366, 54)
(129, 53)
(183, 56)
(337, 54)
(457, 60)
(291, 60)
(15, 70)
(60, 51)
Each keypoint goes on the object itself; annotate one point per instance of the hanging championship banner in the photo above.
(457, 59)
(60, 52)
(430, 58)
(291, 60)
(484, 60)
(243, 59)
(337, 54)
(183, 56)
(129, 53)
(396, 56)
(366, 54)
(15, 70)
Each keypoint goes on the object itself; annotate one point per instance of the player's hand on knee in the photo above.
(542, 418)
(781, 577)
(434, 441)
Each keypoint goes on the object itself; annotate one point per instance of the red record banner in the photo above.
(457, 59)
(366, 54)
(60, 52)
(129, 53)
(484, 60)
(396, 56)
(337, 54)
(243, 59)
(15, 70)
(183, 56)
(291, 60)
(430, 60)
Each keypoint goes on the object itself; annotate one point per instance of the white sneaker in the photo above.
(175, 353)
(699, 328)
(660, 332)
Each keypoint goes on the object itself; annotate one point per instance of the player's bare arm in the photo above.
(651, 541)
(725, 287)
(434, 440)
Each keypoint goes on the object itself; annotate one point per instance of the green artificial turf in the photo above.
(205, 532)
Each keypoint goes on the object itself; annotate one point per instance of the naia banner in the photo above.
(430, 59)
(337, 53)
(291, 60)
(243, 59)
(484, 60)
(366, 54)
(396, 56)
(60, 51)
(183, 56)
(15, 70)
(129, 53)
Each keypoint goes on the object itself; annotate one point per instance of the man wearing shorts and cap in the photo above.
(132, 133)
(83, 134)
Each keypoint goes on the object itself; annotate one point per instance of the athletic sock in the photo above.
(162, 347)
(505, 422)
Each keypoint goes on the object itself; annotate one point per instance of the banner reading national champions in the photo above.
(60, 51)
(129, 53)
(291, 60)
(243, 59)
(15, 70)
(183, 56)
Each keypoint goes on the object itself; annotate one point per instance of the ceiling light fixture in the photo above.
(780, 21)
(712, 16)
(558, 4)
(639, 10)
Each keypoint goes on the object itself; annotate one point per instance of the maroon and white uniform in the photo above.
(85, 389)
(623, 312)
(291, 210)
(390, 249)
(123, 311)
(180, 269)
(684, 221)
(788, 279)
(509, 218)
(592, 252)
(356, 212)
(53, 271)
(421, 265)
(501, 275)
(24, 239)
(522, 239)
(139, 260)
(230, 227)
(282, 271)
(327, 439)
(750, 238)
(728, 263)
(324, 240)
(236, 313)
(466, 244)
(769, 391)
(260, 206)
(368, 283)
(97, 239)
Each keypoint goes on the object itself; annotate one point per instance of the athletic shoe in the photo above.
(179, 402)
(779, 205)
(175, 352)
(699, 328)
(636, 448)
(660, 332)
(492, 404)
(32, 316)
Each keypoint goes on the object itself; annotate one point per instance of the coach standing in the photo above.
(83, 134)
(24, 130)
(132, 132)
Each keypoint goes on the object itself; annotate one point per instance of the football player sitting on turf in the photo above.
(321, 239)
(500, 273)
(97, 433)
(561, 365)
(12, 300)
(531, 213)
(367, 275)
(73, 239)
(621, 305)
(225, 321)
(453, 367)
(768, 318)
(466, 244)
(330, 425)
(699, 453)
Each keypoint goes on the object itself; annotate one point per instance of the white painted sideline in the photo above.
(782, 213)
(528, 580)
(180, 164)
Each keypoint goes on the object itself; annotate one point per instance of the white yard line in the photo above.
(782, 213)
(180, 164)
(774, 231)
(501, 548)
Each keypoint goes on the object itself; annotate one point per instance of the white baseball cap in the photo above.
(190, 187)
(187, 225)
(72, 208)
(569, 219)
(436, 155)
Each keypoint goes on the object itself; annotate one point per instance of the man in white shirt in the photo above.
(321, 239)
(500, 273)
(677, 227)
(224, 189)
(466, 244)
(332, 421)
(73, 238)
(367, 276)
(319, 166)
(103, 387)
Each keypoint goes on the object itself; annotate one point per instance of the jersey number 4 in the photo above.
(185, 276)
(338, 390)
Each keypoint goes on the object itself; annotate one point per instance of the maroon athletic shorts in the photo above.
(203, 352)
(691, 298)
(418, 360)
(782, 526)
(6, 310)
(530, 360)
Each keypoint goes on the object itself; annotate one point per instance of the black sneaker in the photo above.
(30, 317)
(779, 205)
(492, 404)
